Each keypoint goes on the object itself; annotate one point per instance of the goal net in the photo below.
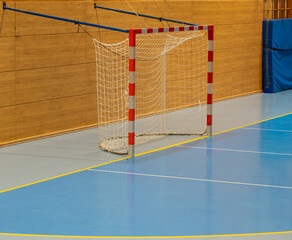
(170, 94)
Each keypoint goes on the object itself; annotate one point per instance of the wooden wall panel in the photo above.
(237, 59)
(229, 84)
(92, 115)
(226, 12)
(90, 48)
(41, 51)
(171, 10)
(7, 89)
(47, 1)
(33, 25)
(7, 56)
(91, 78)
(38, 118)
(36, 85)
(7, 124)
(238, 35)
(289, 13)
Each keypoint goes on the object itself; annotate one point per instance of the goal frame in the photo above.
(132, 69)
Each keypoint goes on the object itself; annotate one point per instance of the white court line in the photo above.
(192, 179)
(236, 150)
(266, 129)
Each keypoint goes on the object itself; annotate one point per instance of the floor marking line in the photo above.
(65, 174)
(236, 150)
(146, 237)
(266, 129)
(192, 179)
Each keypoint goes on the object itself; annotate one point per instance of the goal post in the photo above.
(157, 82)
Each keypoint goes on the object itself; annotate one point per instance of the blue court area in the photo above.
(236, 182)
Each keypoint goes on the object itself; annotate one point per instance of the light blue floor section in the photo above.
(236, 182)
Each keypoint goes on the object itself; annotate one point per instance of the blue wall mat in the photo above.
(277, 55)
(277, 70)
(277, 34)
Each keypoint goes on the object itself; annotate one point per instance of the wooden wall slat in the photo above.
(92, 115)
(90, 49)
(50, 116)
(7, 124)
(234, 83)
(226, 12)
(277, 12)
(7, 55)
(7, 89)
(41, 51)
(172, 10)
(238, 35)
(269, 7)
(33, 25)
(36, 85)
(290, 9)
(91, 78)
(282, 5)
(237, 59)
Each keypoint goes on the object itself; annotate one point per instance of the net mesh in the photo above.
(171, 88)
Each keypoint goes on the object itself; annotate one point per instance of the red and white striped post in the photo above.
(132, 63)
(210, 78)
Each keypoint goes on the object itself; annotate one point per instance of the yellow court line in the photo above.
(170, 146)
(120, 237)
(145, 237)
(65, 174)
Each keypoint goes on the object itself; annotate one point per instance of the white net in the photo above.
(171, 88)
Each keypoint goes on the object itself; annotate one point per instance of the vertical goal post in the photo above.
(132, 69)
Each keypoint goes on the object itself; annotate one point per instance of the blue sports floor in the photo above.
(235, 182)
